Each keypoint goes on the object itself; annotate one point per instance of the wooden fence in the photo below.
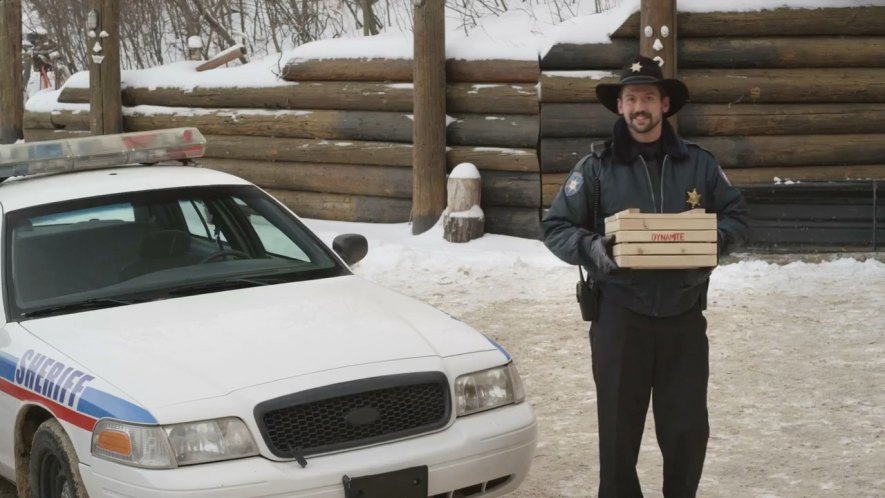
(796, 94)
(784, 94)
(787, 93)
(336, 142)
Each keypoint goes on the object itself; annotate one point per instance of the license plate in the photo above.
(405, 483)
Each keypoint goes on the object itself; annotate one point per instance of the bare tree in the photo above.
(156, 32)
(63, 23)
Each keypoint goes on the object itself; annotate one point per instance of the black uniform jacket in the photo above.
(625, 182)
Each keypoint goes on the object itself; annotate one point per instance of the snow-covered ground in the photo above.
(797, 354)
(797, 357)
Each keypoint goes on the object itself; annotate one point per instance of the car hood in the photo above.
(178, 350)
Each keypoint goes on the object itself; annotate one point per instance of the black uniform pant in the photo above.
(637, 357)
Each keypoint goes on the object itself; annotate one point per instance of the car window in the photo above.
(154, 245)
(199, 220)
(118, 212)
(274, 241)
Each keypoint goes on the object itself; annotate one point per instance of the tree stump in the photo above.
(463, 219)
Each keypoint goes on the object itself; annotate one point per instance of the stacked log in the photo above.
(480, 98)
(494, 124)
(335, 140)
(782, 93)
(401, 70)
(785, 93)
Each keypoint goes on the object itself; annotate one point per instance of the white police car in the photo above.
(175, 331)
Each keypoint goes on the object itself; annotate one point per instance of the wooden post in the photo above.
(429, 136)
(657, 33)
(657, 36)
(463, 219)
(11, 94)
(106, 108)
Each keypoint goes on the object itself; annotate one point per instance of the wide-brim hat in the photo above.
(643, 71)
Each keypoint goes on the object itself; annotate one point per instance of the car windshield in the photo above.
(141, 246)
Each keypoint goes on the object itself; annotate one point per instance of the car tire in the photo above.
(54, 466)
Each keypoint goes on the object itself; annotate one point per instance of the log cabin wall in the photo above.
(333, 140)
(779, 96)
(797, 95)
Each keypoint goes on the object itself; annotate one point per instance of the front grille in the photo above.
(352, 414)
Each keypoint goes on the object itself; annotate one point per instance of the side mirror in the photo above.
(351, 247)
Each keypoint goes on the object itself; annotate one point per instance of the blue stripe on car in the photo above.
(100, 404)
(7, 366)
(92, 402)
(499, 347)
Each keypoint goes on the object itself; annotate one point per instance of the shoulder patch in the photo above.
(573, 184)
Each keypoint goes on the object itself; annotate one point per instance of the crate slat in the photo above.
(666, 262)
(650, 241)
(633, 213)
(665, 248)
(668, 236)
(671, 223)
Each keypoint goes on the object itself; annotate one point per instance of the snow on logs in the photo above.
(237, 51)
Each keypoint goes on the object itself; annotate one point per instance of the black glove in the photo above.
(600, 254)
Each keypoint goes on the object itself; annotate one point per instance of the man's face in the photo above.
(643, 109)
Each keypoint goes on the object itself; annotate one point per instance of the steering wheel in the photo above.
(224, 253)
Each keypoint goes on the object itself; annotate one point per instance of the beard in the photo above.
(649, 125)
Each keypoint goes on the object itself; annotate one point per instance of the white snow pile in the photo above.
(521, 33)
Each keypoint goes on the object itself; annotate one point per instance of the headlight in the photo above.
(488, 389)
(164, 447)
(137, 445)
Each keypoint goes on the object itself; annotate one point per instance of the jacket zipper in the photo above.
(657, 304)
(654, 202)
(663, 169)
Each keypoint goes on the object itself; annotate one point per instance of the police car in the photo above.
(176, 331)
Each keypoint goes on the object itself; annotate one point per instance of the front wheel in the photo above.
(55, 471)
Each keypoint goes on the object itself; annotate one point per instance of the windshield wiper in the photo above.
(88, 304)
(221, 285)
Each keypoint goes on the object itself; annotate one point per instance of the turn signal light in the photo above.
(114, 442)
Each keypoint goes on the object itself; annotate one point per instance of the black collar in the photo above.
(623, 150)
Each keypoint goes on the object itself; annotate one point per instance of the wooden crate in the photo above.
(663, 240)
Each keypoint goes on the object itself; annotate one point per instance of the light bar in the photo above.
(74, 154)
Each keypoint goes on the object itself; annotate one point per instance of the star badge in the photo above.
(573, 184)
(636, 67)
(694, 198)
